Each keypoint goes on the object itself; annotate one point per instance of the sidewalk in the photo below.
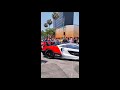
(52, 71)
(54, 68)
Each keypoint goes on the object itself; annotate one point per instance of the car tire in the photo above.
(43, 52)
(49, 54)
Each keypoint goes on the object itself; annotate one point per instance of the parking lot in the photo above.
(57, 68)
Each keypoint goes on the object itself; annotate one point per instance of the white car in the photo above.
(69, 51)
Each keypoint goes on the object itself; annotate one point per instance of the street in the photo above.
(57, 68)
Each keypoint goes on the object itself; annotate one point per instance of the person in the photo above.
(68, 40)
(71, 40)
(48, 39)
(64, 40)
(61, 40)
(45, 39)
(78, 41)
(75, 40)
(54, 40)
(57, 42)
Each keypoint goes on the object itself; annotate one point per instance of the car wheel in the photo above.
(43, 52)
(49, 54)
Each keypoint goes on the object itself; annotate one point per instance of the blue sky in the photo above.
(48, 15)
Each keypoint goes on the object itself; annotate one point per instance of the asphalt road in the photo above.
(57, 68)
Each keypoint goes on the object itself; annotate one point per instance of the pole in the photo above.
(55, 28)
(63, 27)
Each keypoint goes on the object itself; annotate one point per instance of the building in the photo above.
(66, 17)
(70, 31)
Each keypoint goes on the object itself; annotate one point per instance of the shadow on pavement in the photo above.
(77, 68)
(63, 59)
(44, 61)
(52, 71)
(69, 60)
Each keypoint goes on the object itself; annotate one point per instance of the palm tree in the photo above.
(49, 22)
(46, 25)
(55, 16)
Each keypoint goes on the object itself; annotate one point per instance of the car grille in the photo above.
(74, 53)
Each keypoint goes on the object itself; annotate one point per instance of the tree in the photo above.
(55, 16)
(43, 34)
(50, 32)
(49, 22)
(46, 25)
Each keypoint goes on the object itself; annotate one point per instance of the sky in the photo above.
(48, 15)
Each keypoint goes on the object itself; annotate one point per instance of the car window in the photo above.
(63, 46)
(72, 46)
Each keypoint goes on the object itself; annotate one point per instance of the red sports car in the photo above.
(66, 51)
(46, 43)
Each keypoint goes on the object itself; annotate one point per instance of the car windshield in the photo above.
(72, 46)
